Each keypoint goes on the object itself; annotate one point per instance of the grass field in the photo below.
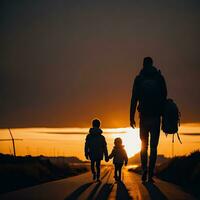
(20, 172)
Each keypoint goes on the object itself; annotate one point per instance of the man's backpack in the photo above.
(171, 119)
(150, 95)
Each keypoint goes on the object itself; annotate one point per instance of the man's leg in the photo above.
(98, 167)
(144, 136)
(155, 134)
(93, 169)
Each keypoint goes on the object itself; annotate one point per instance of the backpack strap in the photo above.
(179, 123)
(179, 138)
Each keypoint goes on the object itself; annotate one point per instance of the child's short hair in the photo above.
(118, 141)
(96, 123)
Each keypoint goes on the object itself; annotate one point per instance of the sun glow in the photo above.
(131, 141)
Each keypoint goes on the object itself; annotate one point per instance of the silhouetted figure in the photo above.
(119, 157)
(149, 90)
(95, 148)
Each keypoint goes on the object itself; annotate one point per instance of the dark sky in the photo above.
(64, 62)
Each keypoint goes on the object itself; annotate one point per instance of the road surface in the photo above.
(82, 187)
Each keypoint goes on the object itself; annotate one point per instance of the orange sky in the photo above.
(70, 141)
(66, 62)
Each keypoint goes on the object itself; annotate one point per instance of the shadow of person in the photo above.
(93, 192)
(154, 191)
(122, 192)
(105, 191)
(75, 194)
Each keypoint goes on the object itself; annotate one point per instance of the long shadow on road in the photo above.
(93, 192)
(74, 195)
(105, 191)
(154, 191)
(122, 192)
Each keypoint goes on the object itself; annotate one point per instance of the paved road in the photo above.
(83, 188)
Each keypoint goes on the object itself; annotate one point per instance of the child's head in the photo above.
(96, 123)
(118, 142)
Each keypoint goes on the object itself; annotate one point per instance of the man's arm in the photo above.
(134, 100)
(86, 148)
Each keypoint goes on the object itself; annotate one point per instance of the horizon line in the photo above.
(184, 128)
(31, 127)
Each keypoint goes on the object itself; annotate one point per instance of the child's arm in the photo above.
(112, 154)
(125, 157)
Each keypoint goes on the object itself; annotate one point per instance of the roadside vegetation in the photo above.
(181, 170)
(19, 172)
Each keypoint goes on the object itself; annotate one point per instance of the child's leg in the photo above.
(116, 169)
(98, 167)
(120, 171)
(92, 167)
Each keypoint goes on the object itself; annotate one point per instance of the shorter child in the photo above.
(96, 148)
(119, 158)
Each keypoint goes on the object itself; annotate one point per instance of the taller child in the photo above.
(149, 90)
(96, 148)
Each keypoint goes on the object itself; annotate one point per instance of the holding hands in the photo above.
(106, 158)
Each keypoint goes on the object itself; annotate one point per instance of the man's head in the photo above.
(147, 62)
(96, 123)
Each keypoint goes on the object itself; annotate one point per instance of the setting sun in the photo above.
(131, 141)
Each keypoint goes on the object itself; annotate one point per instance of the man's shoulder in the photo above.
(157, 70)
(160, 75)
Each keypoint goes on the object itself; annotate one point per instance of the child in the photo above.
(96, 148)
(119, 158)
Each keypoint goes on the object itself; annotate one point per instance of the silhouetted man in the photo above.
(149, 90)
